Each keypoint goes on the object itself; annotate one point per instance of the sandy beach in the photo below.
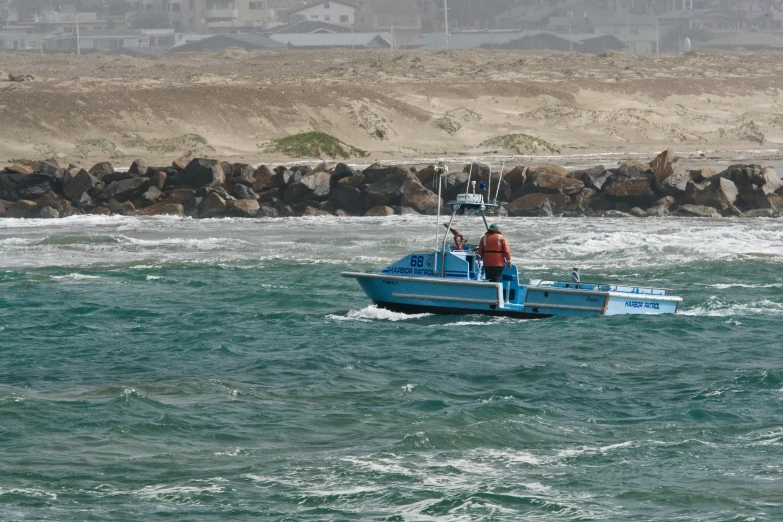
(399, 105)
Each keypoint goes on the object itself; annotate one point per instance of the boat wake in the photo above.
(716, 306)
(373, 313)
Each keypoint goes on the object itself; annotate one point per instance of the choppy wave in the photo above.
(716, 306)
(76, 277)
(223, 366)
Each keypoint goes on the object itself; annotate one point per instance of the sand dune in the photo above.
(393, 104)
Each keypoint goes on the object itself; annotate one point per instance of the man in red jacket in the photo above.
(494, 250)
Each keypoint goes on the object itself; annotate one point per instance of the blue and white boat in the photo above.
(451, 280)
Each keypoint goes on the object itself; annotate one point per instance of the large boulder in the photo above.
(387, 191)
(122, 208)
(117, 176)
(242, 173)
(268, 212)
(180, 163)
(760, 213)
(662, 166)
(17, 168)
(48, 213)
(243, 207)
(56, 202)
(376, 173)
(314, 187)
(596, 178)
(138, 167)
(152, 195)
(22, 209)
(676, 183)
(264, 178)
(213, 206)
(552, 183)
(15, 186)
(697, 211)
(348, 198)
(700, 175)
(124, 189)
(537, 204)
(240, 191)
(179, 196)
(4, 206)
(202, 172)
(769, 201)
(516, 178)
(580, 202)
(286, 176)
(428, 176)
(771, 182)
(99, 170)
(380, 211)
(721, 193)
(555, 170)
(158, 179)
(340, 171)
(81, 183)
(163, 208)
(634, 191)
(269, 195)
(355, 180)
(418, 197)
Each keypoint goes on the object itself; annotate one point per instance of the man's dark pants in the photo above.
(493, 273)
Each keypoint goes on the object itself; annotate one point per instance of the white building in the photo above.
(333, 12)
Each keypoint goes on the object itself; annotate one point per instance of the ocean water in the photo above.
(158, 368)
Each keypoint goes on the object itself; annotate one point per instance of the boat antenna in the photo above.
(489, 181)
(502, 168)
(470, 172)
(439, 173)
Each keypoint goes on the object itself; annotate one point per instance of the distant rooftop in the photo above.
(375, 40)
(310, 27)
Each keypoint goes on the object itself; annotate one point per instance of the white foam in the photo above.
(408, 387)
(166, 492)
(718, 307)
(373, 313)
(75, 277)
(343, 492)
(724, 286)
(153, 278)
(30, 492)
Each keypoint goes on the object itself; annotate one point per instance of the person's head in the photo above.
(494, 227)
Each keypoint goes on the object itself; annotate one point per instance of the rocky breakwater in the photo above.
(207, 188)
(662, 187)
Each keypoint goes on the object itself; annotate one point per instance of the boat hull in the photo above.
(406, 308)
(453, 296)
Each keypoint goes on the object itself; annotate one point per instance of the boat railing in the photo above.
(604, 287)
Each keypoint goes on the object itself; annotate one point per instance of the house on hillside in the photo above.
(406, 20)
(333, 12)
(640, 33)
(710, 19)
(537, 17)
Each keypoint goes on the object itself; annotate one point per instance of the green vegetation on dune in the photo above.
(314, 145)
(520, 144)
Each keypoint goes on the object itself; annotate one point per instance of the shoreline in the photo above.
(667, 184)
